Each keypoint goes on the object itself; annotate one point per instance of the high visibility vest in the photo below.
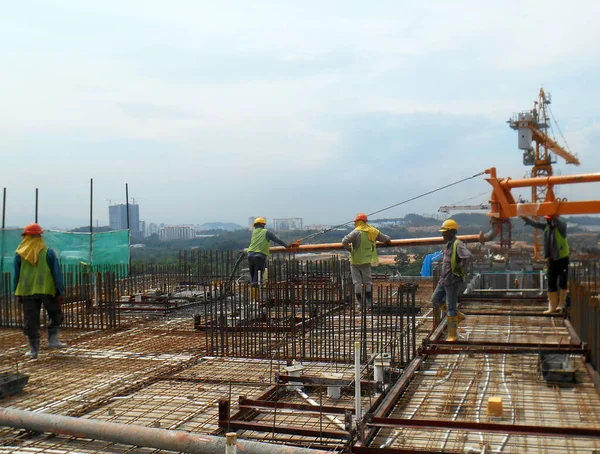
(36, 280)
(259, 242)
(454, 261)
(561, 243)
(365, 253)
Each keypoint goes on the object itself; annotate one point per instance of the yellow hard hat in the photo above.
(260, 221)
(449, 224)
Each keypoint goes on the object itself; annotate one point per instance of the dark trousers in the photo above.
(256, 262)
(558, 274)
(31, 315)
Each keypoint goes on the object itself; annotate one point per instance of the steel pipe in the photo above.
(407, 242)
(171, 440)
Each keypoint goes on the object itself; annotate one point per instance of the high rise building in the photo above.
(177, 232)
(287, 224)
(117, 217)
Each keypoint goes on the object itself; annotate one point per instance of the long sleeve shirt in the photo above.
(551, 249)
(54, 265)
(354, 238)
(463, 260)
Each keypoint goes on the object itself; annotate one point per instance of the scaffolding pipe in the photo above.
(171, 440)
(407, 242)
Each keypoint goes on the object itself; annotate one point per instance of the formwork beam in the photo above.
(470, 426)
(290, 430)
(255, 404)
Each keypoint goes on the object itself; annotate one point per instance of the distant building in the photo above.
(151, 229)
(117, 218)
(177, 232)
(282, 224)
(317, 227)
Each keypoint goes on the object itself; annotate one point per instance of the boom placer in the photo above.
(502, 207)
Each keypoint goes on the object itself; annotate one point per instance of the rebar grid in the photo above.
(534, 329)
(457, 388)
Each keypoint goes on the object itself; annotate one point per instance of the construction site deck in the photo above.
(186, 349)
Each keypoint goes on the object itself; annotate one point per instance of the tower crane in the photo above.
(532, 126)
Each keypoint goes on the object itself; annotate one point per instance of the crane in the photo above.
(481, 207)
(532, 126)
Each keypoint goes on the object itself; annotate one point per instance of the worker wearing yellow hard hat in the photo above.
(456, 260)
(556, 251)
(361, 243)
(258, 251)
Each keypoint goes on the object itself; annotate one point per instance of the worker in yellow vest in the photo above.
(258, 252)
(361, 243)
(38, 282)
(455, 262)
(556, 251)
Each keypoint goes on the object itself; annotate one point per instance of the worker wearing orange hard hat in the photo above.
(456, 260)
(361, 243)
(38, 282)
(258, 252)
(556, 251)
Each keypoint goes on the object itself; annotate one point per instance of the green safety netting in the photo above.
(105, 248)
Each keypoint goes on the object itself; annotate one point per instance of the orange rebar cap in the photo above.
(33, 229)
(361, 217)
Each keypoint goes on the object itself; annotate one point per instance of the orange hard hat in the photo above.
(361, 217)
(33, 229)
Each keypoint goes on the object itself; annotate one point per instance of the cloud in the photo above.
(215, 112)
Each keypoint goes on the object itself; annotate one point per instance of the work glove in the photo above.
(61, 300)
(388, 242)
(294, 245)
(20, 299)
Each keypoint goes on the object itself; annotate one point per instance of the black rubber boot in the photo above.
(34, 348)
(53, 341)
(369, 302)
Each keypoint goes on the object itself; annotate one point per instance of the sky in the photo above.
(220, 111)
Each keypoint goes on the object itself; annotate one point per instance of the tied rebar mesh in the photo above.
(584, 307)
(307, 312)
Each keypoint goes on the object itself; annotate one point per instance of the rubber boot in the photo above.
(253, 294)
(452, 328)
(562, 299)
(460, 316)
(358, 301)
(552, 302)
(53, 341)
(34, 348)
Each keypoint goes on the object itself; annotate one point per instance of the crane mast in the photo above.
(532, 127)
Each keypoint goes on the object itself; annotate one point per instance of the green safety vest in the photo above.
(36, 280)
(259, 242)
(454, 260)
(562, 243)
(365, 253)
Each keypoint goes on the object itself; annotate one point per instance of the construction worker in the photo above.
(361, 243)
(556, 250)
(38, 281)
(455, 261)
(258, 251)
